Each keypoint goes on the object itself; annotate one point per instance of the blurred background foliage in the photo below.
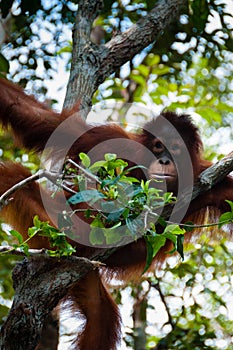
(190, 68)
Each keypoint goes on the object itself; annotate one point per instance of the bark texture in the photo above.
(39, 283)
(92, 64)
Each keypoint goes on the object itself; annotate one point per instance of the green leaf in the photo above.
(87, 196)
(149, 255)
(25, 248)
(17, 235)
(115, 215)
(94, 167)
(4, 310)
(86, 162)
(113, 235)
(4, 64)
(110, 182)
(154, 244)
(225, 218)
(32, 231)
(110, 156)
(36, 222)
(65, 49)
(180, 245)
(134, 191)
(97, 232)
(162, 221)
(230, 203)
(171, 237)
(134, 225)
(174, 230)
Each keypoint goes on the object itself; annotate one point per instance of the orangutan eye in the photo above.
(158, 146)
(175, 147)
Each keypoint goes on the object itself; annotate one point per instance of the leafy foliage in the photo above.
(119, 205)
(56, 238)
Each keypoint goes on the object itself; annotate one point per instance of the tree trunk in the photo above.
(39, 283)
(140, 320)
(92, 64)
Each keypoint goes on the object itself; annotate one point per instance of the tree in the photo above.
(158, 34)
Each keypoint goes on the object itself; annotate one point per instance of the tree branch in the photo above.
(18, 252)
(215, 173)
(207, 180)
(123, 47)
(84, 67)
(5, 197)
(92, 64)
(163, 299)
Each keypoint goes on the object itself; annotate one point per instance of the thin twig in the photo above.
(84, 171)
(4, 199)
(19, 252)
(162, 297)
(149, 213)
